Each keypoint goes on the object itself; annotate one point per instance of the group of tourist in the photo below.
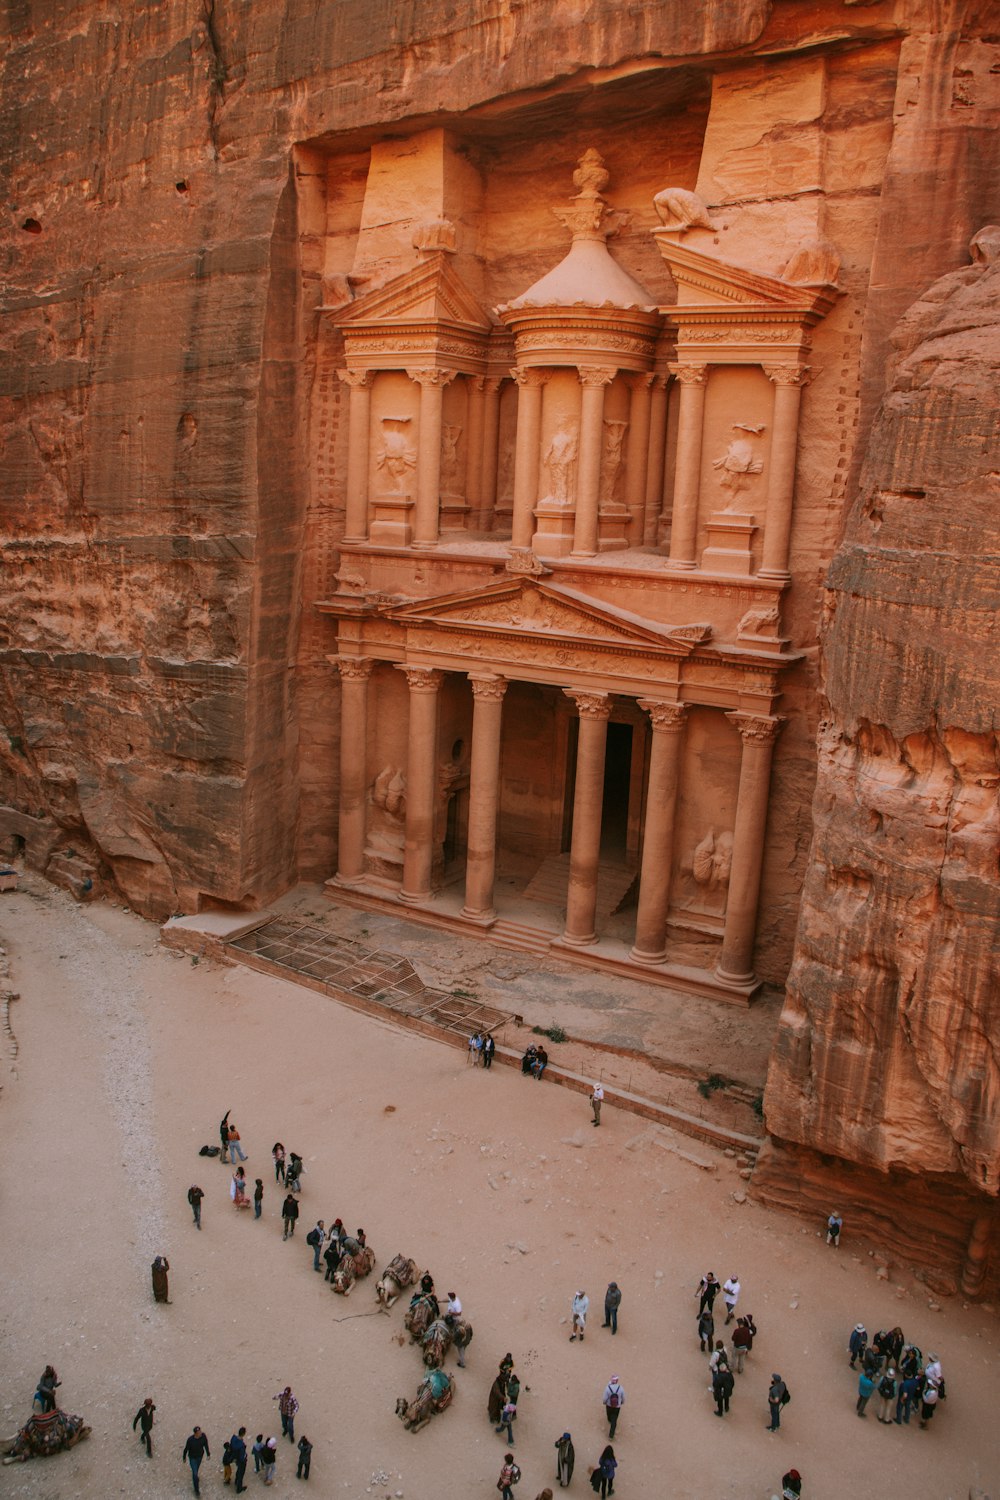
(482, 1049)
(234, 1454)
(894, 1372)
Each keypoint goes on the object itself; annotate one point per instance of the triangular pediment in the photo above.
(532, 607)
(704, 280)
(431, 292)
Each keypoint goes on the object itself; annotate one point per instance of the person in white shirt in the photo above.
(731, 1295)
(581, 1304)
(453, 1310)
(596, 1100)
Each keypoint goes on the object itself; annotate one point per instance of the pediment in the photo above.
(532, 607)
(431, 292)
(706, 281)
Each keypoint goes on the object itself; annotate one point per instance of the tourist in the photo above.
(475, 1048)
(45, 1393)
(742, 1343)
(496, 1399)
(293, 1172)
(708, 1290)
(227, 1464)
(528, 1060)
(489, 1048)
(895, 1346)
(362, 1240)
(866, 1386)
(235, 1149)
(258, 1197)
(929, 1396)
(238, 1189)
(886, 1396)
(596, 1100)
(881, 1344)
(315, 1239)
(238, 1449)
(258, 1453)
(612, 1302)
(143, 1419)
(195, 1196)
(722, 1387)
(224, 1138)
(510, 1474)
(720, 1356)
(606, 1467)
(270, 1459)
(195, 1449)
(513, 1388)
(706, 1329)
(289, 1214)
(581, 1304)
(508, 1416)
(305, 1458)
(565, 1460)
(933, 1373)
(906, 1398)
(857, 1344)
(453, 1311)
(159, 1268)
(777, 1397)
(834, 1225)
(278, 1157)
(871, 1361)
(287, 1406)
(731, 1295)
(332, 1254)
(541, 1062)
(614, 1400)
(791, 1485)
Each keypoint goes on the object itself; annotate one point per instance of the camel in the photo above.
(434, 1393)
(42, 1435)
(352, 1268)
(420, 1315)
(399, 1273)
(435, 1344)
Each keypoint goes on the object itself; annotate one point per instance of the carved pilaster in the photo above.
(593, 380)
(687, 476)
(359, 384)
(758, 733)
(788, 382)
(526, 454)
(432, 382)
(668, 721)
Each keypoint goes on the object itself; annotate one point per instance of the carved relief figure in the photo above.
(612, 462)
(397, 457)
(450, 471)
(739, 464)
(758, 622)
(712, 861)
(680, 209)
(387, 823)
(560, 460)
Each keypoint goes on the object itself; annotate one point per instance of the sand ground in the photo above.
(127, 1055)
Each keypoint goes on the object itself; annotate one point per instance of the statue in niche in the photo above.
(397, 458)
(679, 209)
(711, 865)
(739, 464)
(612, 462)
(387, 823)
(560, 460)
(451, 481)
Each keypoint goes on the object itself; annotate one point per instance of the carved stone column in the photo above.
(658, 836)
(788, 381)
(588, 799)
(426, 513)
(484, 786)
(490, 453)
(526, 446)
(588, 485)
(977, 1254)
(358, 452)
(354, 675)
(637, 454)
(656, 461)
(421, 782)
(687, 473)
(474, 449)
(758, 734)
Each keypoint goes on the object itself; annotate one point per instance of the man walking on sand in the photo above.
(612, 1302)
(289, 1214)
(195, 1196)
(776, 1397)
(143, 1419)
(731, 1295)
(195, 1449)
(287, 1406)
(614, 1400)
(596, 1100)
(238, 1449)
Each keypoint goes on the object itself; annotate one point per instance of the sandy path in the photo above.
(127, 1057)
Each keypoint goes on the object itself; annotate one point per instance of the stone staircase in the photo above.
(548, 884)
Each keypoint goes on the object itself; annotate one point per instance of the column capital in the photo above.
(787, 374)
(421, 679)
(356, 378)
(531, 377)
(432, 376)
(756, 729)
(668, 716)
(590, 705)
(353, 667)
(596, 374)
(640, 382)
(488, 686)
(689, 374)
(492, 383)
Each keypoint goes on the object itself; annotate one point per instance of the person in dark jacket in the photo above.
(489, 1048)
(143, 1419)
(565, 1459)
(195, 1449)
(289, 1214)
(742, 1342)
(612, 1302)
(857, 1344)
(706, 1329)
(722, 1388)
(238, 1452)
(305, 1458)
(777, 1391)
(606, 1466)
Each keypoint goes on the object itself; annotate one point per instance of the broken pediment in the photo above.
(530, 606)
(432, 292)
(705, 281)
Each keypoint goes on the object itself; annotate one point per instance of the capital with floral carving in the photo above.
(432, 376)
(689, 374)
(529, 377)
(590, 705)
(488, 687)
(357, 378)
(756, 729)
(640, 382)
(596, 374)
(353, 668)
(421, 679)
(664, 716)
(787, 374)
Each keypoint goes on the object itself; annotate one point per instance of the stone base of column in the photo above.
(480, 918)
(777, 575)
(423, 546)
(554, 529)
(411, 898)
(639, 956)
(679, 565)
(347, 882)
(734, 981)
(572, 941)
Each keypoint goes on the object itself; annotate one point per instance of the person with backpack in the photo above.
(886, 1396)
(742, 1342)
(857, 1344)
(603, 1477)
(510, 1475)
(315, 1240)
(778, 1395)
(614, 1400)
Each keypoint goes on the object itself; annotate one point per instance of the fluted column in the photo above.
(637, 454)
(687, 472)
(526, 453)
(758, 735)
(788, 381)
(656, 462)
(421, 782)
(426, 512)
(588, 799)
(474, 449)
(354, 675)
(658, 832)
(484, 787)
(490, 454)
(358, 452)
(593, 381)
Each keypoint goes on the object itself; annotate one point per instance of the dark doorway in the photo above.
(617, 778)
